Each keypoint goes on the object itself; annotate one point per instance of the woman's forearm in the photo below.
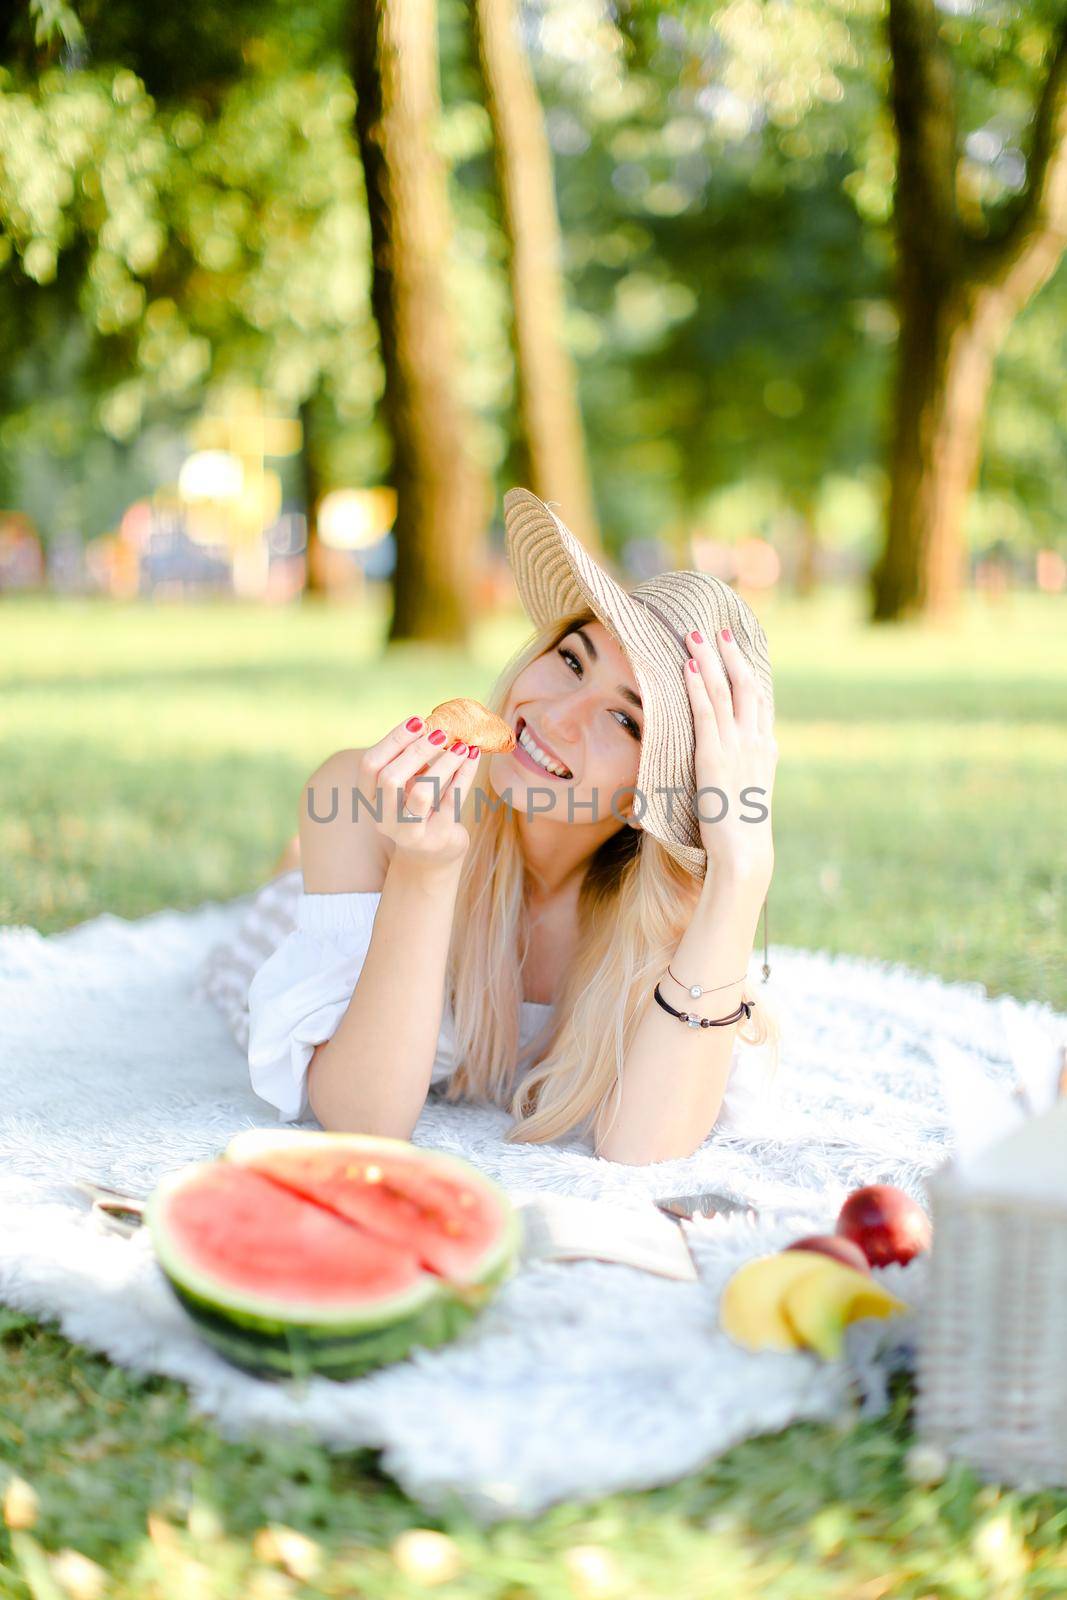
(373, 1075)
(674, 1076)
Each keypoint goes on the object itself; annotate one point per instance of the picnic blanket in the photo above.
(580, 1378)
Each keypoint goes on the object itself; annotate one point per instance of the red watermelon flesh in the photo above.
(443, 1219)
(237, 1227)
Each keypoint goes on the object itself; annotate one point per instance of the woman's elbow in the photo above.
(336, 1116)
(372, 1128)
(637, 1156)
(624, 1157)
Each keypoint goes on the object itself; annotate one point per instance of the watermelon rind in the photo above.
(262, 1312)
(500, 1255)
(299, 1352)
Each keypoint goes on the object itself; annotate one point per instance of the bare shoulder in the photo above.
(339, 855)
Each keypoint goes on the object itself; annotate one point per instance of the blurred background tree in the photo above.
(551, 435)
(976, 241)
(443, 497)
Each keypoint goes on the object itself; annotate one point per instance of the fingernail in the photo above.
(414, 724)
(455, 749)
(693, 664)
(473, 751)
(696, 637)
(727, 635)
(438, 736)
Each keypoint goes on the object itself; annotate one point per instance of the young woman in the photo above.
(544, 929)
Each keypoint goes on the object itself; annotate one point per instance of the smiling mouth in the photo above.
(561, 777)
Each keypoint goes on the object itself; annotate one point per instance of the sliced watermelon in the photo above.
(436, 1205)
(302, 1252)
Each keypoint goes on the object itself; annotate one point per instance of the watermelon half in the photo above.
(300, 1252)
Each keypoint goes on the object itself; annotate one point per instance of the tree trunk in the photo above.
(957, 296)
(806, 577)
(314, 554)
(443, 493)
(550, 420)
(945, 372)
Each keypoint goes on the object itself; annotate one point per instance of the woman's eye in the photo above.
(627, 722)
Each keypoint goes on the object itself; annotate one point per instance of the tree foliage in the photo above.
(181, 199)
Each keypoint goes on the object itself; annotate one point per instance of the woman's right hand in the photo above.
(420, 807)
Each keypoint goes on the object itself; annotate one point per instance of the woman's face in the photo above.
(581, 705)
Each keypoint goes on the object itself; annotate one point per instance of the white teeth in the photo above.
(534, 750)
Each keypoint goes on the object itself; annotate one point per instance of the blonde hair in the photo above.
(633, 908)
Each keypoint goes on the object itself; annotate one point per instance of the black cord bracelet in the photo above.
(743, 1010)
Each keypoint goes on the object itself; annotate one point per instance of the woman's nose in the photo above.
(563, 727)
(570, 717)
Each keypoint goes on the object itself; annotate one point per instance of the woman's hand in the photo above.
(418, 779)
(736, 751)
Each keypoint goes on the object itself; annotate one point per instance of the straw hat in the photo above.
(555, 575)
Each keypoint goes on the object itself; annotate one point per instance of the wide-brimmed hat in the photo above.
(555, 576)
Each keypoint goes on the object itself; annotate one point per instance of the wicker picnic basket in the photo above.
(992, 1348)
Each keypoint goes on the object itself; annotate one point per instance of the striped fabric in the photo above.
(228, 968)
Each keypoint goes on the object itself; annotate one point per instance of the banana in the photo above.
(750, 1308)
(820, 1305)
(799, 1300)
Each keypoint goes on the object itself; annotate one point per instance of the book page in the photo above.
(573, 1228)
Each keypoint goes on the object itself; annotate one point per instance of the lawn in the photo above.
(154, 756)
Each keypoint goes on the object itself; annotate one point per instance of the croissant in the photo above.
(474, 723)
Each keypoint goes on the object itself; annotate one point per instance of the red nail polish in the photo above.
(456, 748)
(727, 635)
(473, 751)
(438, 736)
(696, 637)
(414, 724)
(693, 664)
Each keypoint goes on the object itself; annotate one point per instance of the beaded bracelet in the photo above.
(743, 1010)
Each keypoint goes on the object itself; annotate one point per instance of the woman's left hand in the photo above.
(736, 752)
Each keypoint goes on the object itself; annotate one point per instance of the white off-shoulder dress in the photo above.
(284, 980)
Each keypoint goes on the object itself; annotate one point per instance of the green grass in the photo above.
(154, 756)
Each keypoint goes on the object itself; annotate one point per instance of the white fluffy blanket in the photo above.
(581, 1378)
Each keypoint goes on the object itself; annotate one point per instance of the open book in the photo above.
(564, 1227)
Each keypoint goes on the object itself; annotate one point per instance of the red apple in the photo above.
(886, 1223)
(832, 1244)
